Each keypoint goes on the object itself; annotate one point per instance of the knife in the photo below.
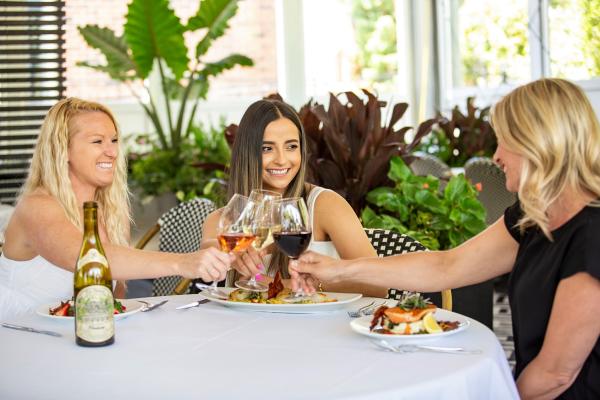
(194, 304)
(28, 329)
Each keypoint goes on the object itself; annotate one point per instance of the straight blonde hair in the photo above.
(49, 170)
(552, 125)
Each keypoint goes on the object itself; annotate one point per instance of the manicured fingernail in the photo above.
(261, 267)
(258, 277)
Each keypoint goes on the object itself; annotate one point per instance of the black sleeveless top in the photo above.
(539, 268)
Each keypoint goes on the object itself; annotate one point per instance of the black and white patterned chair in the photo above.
(388, 243)
(180, 231)
(493, 195)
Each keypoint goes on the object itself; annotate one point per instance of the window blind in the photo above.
(32, 79)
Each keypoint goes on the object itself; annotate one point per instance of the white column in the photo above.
(291, 75)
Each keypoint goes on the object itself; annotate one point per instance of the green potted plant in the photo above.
(153, 40)
(153, 172)
(415, 206)
(350, 144)
(456, 139)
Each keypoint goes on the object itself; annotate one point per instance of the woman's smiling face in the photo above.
(281, 156)
(93, 149)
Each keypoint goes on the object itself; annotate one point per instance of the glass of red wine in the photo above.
(233, 232)
(260, 225)
(292, 233)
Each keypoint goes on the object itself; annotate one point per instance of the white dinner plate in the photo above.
(361, 325)
(342, 300)
(131, 305)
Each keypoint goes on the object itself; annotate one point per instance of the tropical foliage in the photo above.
(153, 172)
(461, 136)
(154, 42)
(416, 206)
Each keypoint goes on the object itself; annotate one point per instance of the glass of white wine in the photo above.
(261, 227)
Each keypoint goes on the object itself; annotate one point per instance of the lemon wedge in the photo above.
(430, 324)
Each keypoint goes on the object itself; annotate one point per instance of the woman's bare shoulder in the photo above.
(330, 198)
(36, 202)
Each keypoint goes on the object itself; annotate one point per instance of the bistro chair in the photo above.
(427, 164)
(389, 243)
(180, 231)
(493, 195)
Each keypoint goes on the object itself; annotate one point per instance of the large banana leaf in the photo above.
(199, 86)
(153, 31)
(119, 64)
(229, 62)
(213, 15)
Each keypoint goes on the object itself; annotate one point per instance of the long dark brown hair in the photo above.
(246, 158)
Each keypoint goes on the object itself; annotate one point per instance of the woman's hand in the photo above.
(208, 264)
(249, 263)
(312, 268)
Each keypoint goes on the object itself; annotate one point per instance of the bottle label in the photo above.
(94, 308)
(93, 255)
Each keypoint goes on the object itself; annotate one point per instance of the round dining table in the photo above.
(217, 352)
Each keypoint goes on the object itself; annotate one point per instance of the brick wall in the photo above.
(252, 32)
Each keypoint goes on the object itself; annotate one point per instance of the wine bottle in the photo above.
(94, 302)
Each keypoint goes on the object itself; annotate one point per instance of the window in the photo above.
(31, 81)
(574, 38)
(353, 50)
(488, 47)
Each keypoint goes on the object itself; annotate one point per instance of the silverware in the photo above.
(412, 348)
(213, 291)
(194, 304)
(28, 329)
(151, 306)
(369, 309)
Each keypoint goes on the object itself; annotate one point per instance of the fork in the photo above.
(213, 290)
(412, 348)
(150, 306)
(369, 309)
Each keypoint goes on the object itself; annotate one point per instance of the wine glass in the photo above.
(233, 232)
(260, 225)
(292, 232)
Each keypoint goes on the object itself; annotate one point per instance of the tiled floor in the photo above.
(503, 326)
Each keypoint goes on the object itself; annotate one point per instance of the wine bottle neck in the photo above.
(90, 221)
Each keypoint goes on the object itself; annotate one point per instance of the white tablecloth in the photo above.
(220, 353)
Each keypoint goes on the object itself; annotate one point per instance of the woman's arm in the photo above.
(572, 332)
(487, 255)
(336, 220)
(40, 227)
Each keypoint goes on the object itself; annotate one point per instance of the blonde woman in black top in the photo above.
(549, 149)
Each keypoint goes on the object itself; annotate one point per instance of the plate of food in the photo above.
(272, 300)
(413, 319)
(65, 310)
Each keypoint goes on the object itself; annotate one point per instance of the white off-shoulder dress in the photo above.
(26, 285)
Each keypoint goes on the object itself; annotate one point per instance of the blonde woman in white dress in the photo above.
(77, 159)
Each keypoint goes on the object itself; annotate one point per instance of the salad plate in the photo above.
(362, 326)
(343, 299)
(131, 306)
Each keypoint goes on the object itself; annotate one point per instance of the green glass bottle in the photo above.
(94, 302)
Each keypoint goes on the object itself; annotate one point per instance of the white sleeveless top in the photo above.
(322, 247)
(26, 285)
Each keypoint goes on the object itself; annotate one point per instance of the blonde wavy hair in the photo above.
(552, 125)
(49, 170)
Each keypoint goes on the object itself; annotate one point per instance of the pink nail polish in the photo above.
(261, 267)
(258, 277)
